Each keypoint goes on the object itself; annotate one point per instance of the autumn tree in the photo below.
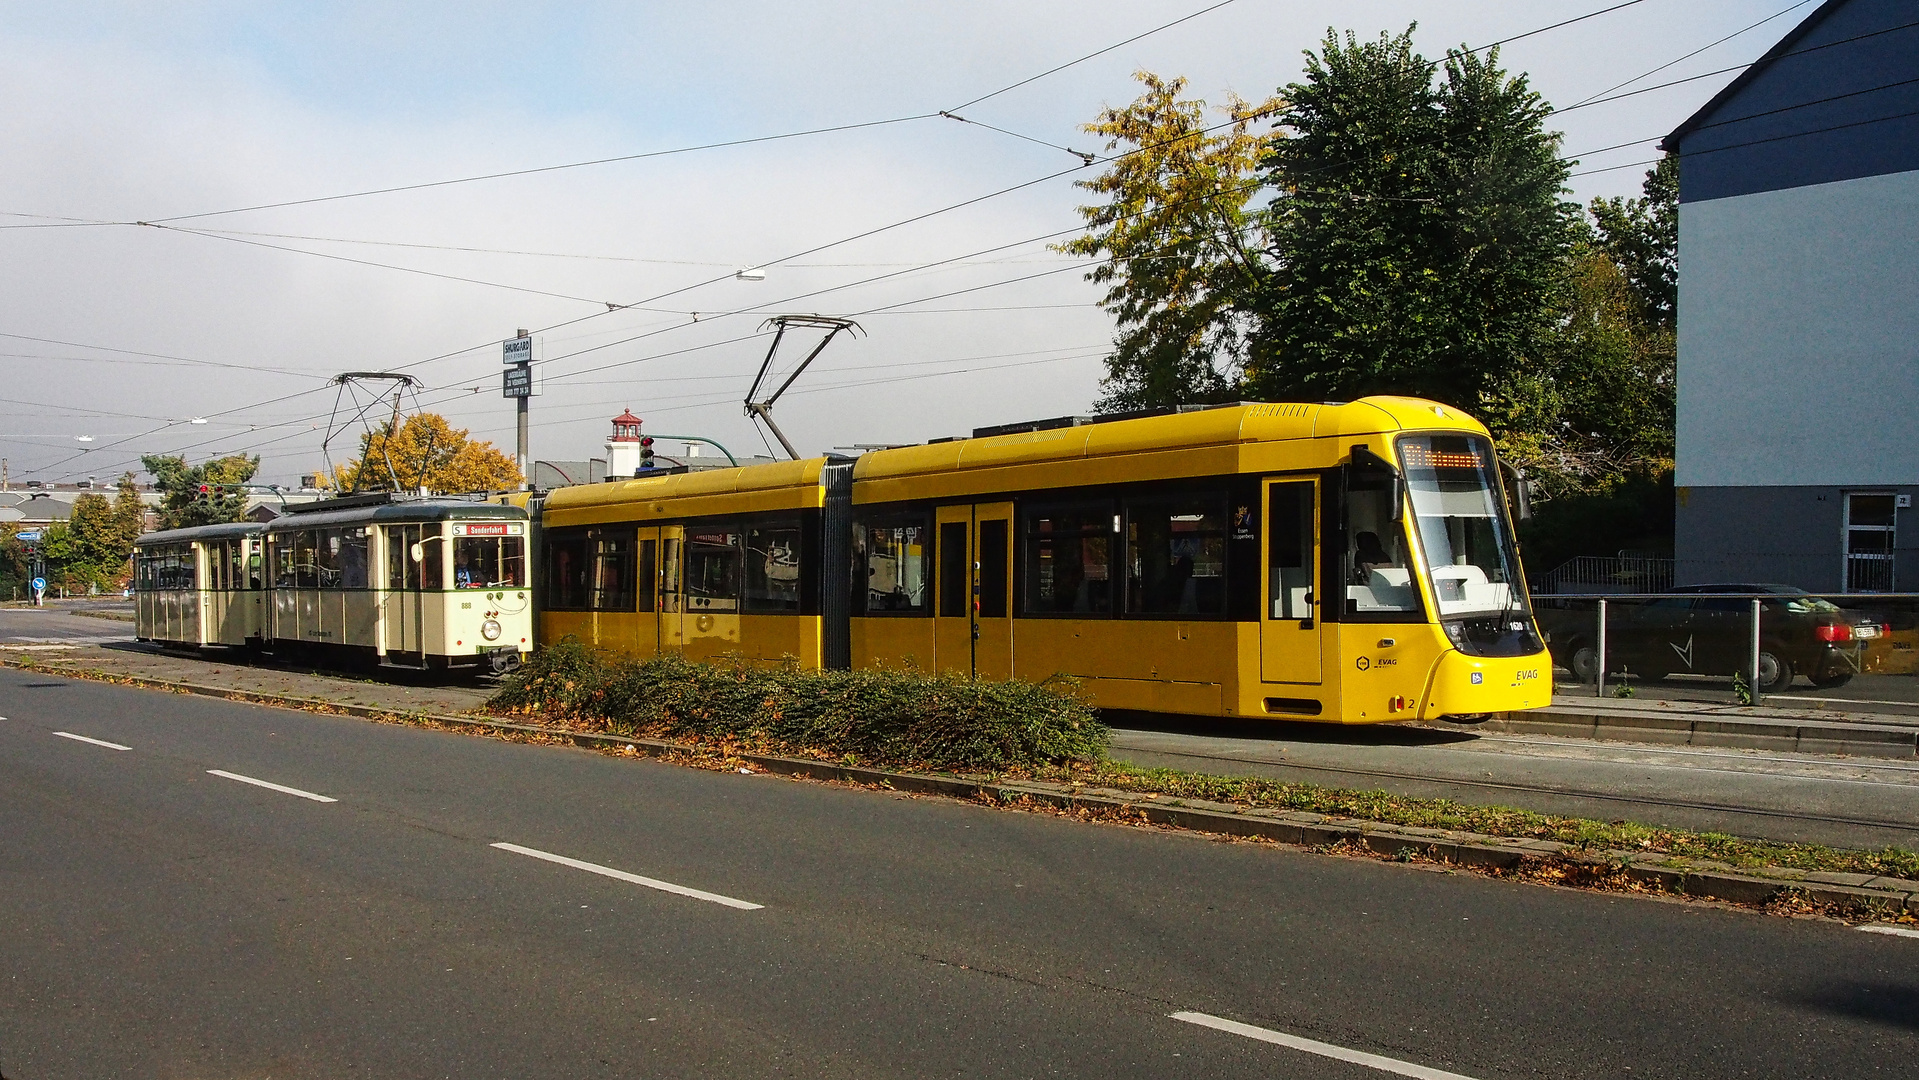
(129, 512)
(1178, 243)
(184, 505)
(427, 454)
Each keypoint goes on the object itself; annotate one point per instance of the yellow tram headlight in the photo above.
(490, 629)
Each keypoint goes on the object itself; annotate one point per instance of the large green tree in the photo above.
(1180, 248)
(183, 504)
(1642, 236)
(1418, 230)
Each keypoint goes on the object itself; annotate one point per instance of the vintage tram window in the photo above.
(1176, 555)
(1289, 574)
(431, 539)
(1068, 553)
(772, 569)
(326, 558)
(713, 570)
(401, 573)
(894, 558)
(351, 558)
(612, 570)
(489, 562)
(306, 558)
(955, 580)
(236, 564)
(216, 565)
(1378, 577)
(179, 568)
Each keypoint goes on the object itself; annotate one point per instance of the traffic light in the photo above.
(646, 452)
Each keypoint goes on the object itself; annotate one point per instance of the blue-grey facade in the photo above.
(1798, 427)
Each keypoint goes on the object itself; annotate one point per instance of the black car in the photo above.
(1685, 633)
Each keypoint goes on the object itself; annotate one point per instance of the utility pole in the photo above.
(517, 383)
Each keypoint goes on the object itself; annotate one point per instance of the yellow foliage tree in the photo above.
(429, 453)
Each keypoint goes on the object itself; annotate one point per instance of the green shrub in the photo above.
(904, 718)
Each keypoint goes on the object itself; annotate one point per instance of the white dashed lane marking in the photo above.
(1896, 931)
(85, 739)
(1314, 1046)
(281, 788)
(621, 875)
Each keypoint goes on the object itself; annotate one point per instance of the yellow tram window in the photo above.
(1290, 573)
(894, 555)
(713, 570)
(1176, 556)
(1069, 559)
(954, 579)
(773, 568)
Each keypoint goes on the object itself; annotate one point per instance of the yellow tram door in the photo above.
(973, 624)
(669, 604)
(645, 631)
(1289, 628)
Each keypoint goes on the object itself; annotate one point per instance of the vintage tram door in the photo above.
(973, 616)
(1289, 633)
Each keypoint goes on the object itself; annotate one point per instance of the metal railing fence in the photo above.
(1895, 615)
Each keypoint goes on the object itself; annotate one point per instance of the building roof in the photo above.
(1837, 98)
(1670, 144)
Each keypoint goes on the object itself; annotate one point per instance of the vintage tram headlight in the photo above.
(490, 629)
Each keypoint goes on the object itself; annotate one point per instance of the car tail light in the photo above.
(1833, 632)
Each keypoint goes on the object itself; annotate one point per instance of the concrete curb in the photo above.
(1681, 729)
(1863, 893)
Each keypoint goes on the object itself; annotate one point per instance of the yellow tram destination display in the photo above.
(1340, 562)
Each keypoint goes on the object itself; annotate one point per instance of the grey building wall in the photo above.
(1779, 535)
(1799, 336)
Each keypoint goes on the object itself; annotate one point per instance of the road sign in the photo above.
(30, 537)
(517, 382)
(39, 584)
(517, 350)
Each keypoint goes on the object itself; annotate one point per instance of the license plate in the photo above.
(1869, 630)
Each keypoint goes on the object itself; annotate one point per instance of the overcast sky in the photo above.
(125, 335)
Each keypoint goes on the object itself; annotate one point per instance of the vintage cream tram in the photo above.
(376, 579)
(195, 587)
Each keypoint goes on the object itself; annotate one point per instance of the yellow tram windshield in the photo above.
(1459, 516)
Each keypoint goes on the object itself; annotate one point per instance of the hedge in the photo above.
(878, 717)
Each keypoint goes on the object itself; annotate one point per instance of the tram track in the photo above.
(1558, 791)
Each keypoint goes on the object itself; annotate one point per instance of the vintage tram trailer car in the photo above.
(378, 580)
(1348, 563)
(202, 586)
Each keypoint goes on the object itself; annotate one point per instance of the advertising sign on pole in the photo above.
(516, 382)
(517, 350)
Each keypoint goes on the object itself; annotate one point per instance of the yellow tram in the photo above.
(1348, 563)
(723, 563)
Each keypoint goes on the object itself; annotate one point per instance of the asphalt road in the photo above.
(26, 625)
(164, 921)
